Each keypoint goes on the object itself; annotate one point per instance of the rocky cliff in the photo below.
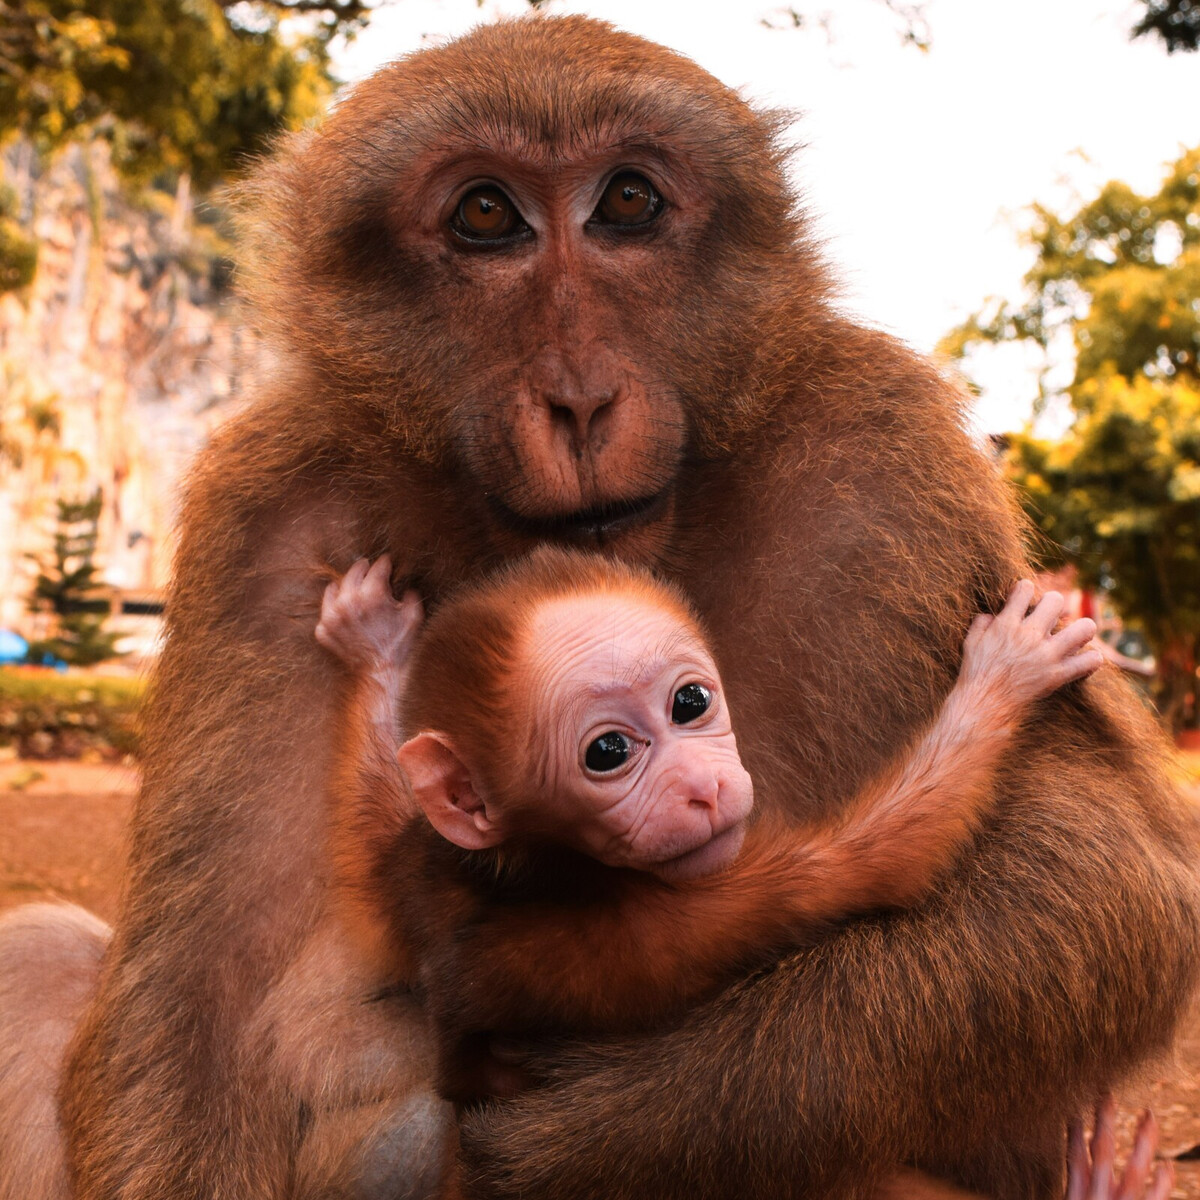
(116, 363)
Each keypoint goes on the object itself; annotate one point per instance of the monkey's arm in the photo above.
(371, 809)
(372, 635)
(909, 825)
(648, 949)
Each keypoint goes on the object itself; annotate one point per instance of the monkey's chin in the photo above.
(715, 855)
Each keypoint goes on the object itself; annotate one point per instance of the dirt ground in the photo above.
(62, 828)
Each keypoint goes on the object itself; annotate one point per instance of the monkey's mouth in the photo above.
(709, 857)
(598, 524)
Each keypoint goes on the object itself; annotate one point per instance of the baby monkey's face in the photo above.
(641, 761)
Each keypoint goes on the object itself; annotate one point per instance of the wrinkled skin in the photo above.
(677, 805)
(685, 396)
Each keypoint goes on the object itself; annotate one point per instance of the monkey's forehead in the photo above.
(548, 87)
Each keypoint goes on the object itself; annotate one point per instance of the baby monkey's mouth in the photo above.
(597, 524)
(706, 859)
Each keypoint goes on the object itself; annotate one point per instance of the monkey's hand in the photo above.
(363, 624)
(1014, 658)
(1091, 1172)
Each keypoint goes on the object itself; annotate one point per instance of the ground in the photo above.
(62, 827)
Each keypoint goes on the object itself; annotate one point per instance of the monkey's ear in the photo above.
(442, 786)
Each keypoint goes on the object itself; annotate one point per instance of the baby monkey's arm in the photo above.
(373, 635)
(907, 827)
(657, 947)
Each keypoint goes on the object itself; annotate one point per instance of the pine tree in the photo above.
(66, 586)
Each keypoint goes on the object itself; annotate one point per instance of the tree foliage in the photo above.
(18, 251)
(66, 586)
(1120, 493)
(175, 84)
(1121, 497)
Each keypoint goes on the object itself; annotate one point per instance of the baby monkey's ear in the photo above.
(442, 786)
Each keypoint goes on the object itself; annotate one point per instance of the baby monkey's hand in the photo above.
(1015, 653)
(363, 624)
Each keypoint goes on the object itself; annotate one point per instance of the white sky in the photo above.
(916, 167)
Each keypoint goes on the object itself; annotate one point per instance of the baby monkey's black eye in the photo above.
(608, 752)
(691, 701)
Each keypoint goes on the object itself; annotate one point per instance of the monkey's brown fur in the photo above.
(506, 940)
(819, 501)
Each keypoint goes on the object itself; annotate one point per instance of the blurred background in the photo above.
(1015, 187)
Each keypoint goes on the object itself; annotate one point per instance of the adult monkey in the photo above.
(548, 283)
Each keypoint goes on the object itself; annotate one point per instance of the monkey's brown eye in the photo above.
(691, 701)
(608, 752)
(486, 213)
(629, 199)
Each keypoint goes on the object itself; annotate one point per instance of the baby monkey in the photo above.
(567, 844)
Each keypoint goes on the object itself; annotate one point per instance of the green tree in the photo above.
(66, 586)
(184, 85)
(1119, 495)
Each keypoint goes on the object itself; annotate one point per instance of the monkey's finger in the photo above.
(1018, 602)
(1075, 666)
(1133, 1178)
(1074, 636)
(381, 566)
(1078, 1169)
(980, 625)
(378, 580)
(1103, 1148)
(357, 573)
(1049, 609)
(328, 639)
(1163, 1181)
(412, 611)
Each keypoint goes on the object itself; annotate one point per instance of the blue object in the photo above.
(13, 647)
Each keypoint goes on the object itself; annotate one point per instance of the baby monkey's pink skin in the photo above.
(596, 666)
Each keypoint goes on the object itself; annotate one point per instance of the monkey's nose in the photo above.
(583, 413)
(703, 789)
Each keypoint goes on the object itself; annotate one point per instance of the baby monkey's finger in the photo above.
(1163, 1181)
(1074, 636)
(979, 626)
(357, 573)
(381, 567)
(1018, 602)
(1078, 1165)
(412, 611)
(1133, 1179)
(1076, 666)
(1048, 610)
(378, 580)
(1103, 1148)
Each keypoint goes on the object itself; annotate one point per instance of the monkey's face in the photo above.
(639, 756)
(566, 417)
(545, 256)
